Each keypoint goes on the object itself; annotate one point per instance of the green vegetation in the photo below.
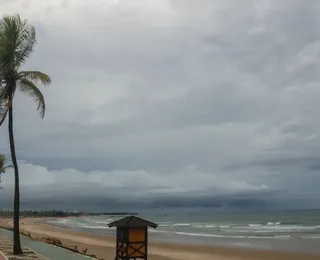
(17, 40)
(58, 213)
(3, 167)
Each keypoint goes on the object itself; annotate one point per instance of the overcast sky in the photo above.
(171, 98)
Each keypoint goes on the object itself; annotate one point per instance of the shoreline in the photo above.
(103, 245)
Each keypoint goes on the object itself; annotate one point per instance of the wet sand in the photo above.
(104, 246)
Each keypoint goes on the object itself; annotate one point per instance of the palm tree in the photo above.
(17, 39)
(3, 167)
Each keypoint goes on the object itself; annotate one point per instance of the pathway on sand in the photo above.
(47, 251)
(6, 251)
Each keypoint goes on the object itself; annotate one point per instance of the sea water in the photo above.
(280, 230)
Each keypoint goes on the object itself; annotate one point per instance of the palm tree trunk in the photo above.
(16, 208)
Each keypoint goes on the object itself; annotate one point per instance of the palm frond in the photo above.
(4, 102)
(17, 39)
(35, 76)
(2, 93)
(2, 160)
(26, 86)
(4, 167)
(4, 105)
(26, 42)
(4, 108)
(8, 35)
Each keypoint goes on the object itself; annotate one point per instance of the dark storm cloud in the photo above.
(208, 98)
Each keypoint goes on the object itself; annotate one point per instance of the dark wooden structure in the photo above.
(132, 238)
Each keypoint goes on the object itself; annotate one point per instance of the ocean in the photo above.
(274, 230)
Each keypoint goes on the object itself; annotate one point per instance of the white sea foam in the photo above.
(230, 236)
(310, 237)
(93, 227)
(274, 223)
(254, 225)
(102, 222)
(203, 226)
(276, 228)
(232, 230)
(63, 220)
(210, 226)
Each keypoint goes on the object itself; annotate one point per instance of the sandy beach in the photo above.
(104, 246)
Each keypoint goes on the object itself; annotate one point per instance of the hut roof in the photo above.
(132, 221)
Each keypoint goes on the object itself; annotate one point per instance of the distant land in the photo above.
(59, 213)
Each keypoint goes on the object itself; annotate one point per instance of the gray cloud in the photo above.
(217, 98)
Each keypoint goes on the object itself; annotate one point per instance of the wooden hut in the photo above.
(132, 238)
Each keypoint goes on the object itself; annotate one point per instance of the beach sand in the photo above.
(104, 246)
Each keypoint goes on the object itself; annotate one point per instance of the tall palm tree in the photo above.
(17, 39)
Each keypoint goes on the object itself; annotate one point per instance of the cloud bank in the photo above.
(171, 98)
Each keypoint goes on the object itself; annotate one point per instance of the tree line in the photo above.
(41, 214)
(59, 213)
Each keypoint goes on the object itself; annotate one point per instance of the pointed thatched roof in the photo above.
(132, 221)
